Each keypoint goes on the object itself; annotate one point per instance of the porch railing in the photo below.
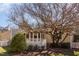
(37, 42)
(74, 45)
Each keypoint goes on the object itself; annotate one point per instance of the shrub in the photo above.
(60, 45)
(36, 47)
(30, 47)
(18, 43)
(65, 45)
(42, 47)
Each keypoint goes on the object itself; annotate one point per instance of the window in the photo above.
(76, 38)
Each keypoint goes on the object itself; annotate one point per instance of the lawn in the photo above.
(2, 50)
(54, 52)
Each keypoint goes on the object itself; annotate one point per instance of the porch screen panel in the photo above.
(31, 35)
(35, 35)
(39, 36)
(76, 38)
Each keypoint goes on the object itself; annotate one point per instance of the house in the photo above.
(39, 37)
(74, 38)
(5, 37)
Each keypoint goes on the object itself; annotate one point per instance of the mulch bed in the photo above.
(46, 52)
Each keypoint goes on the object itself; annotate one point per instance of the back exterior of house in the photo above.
(37, 38)
(5, 37)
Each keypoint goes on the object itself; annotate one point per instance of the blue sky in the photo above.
(4, 10)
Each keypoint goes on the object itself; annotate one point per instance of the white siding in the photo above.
(4, 43)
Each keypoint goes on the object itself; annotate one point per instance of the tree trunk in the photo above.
(64, 38)
(56, 37)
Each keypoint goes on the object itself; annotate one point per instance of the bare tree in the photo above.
(17, 17)
(60, 18)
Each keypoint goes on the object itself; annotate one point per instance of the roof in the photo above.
(40, 30)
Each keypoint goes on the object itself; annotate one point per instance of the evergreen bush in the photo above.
(18, 43)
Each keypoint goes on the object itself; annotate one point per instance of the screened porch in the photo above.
(36, 38)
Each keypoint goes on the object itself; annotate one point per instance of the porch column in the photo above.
(71, 40)
(33, 36)
(37, 37)
(29, 36)
(40, 36)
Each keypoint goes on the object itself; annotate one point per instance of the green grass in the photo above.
(2, 50)
(56, 54)
(76, 53)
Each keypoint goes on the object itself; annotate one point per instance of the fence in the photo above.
(37, 42)
(74, 45)
(4, 43)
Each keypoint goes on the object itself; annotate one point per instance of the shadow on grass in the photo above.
(68, 53)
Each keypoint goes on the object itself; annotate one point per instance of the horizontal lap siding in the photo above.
(5, 35)
(49, 39)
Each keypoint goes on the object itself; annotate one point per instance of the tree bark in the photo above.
(64, 38)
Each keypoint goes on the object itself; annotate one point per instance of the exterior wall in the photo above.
(72, 43)
(67, 40)
(6, 35)
(48, 38)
